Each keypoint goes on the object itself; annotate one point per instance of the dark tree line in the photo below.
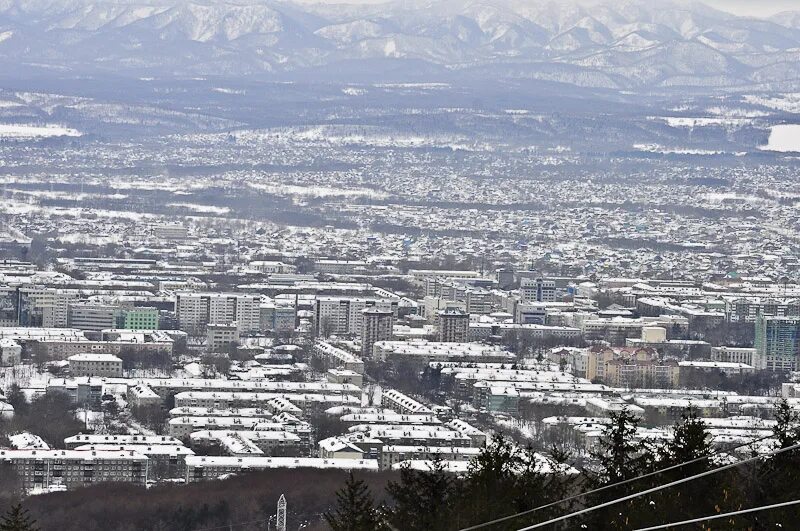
(502, 478)
(506, 480)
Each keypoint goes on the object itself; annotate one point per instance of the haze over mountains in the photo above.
(629, 45)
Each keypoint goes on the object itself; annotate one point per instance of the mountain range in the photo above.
(621, 44)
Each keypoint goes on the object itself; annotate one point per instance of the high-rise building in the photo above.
(376, 325)
(196, 310)
(46, 307)
(343, 315)
(777, 343)
(453, 325)
(538, 290)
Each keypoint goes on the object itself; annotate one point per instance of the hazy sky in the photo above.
(763, 8)
(754, 8)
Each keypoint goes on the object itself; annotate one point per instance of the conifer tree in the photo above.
(690, 441)
(355, 509)
(787, 429)
(621, 456)
(17, 519)
(422, 499)
(490, 484)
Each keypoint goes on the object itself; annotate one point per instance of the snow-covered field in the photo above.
(341, 135)
(783, 102)
(784, 139)
(655, 148)
(317, 191)
(691, 123)
(205, 209)
(20, 131)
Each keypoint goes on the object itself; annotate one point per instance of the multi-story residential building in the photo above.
(272, 267)
(164, 461)
(119, 440)
(631, 367)
(45, 306)
(777, 343)
(221, 336)
(277, 318)
(431, 306)
(403, 403)
(196, 310)
(10, 352)
(501, 399)
(338, 357)
(733, 354)
(340, 267)
(422, 352)
(86, 315)
(42, 469)
(170, 231)
(615, 330)
(453, 326)
(376, 325)
(199, 468)
(62, 347)
(102, 365)
(484, 331)
(82, 391)
(391, 455)
(344, 315)
(748, 309)
(9, 306)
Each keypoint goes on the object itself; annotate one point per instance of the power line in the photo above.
(657, 488)
(722, 515)
(611, 486)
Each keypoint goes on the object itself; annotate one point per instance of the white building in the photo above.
(345, 315)
(196, 310)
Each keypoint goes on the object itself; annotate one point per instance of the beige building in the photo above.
(631, 367)
(221, 336)
(376, 325)
(101, 365)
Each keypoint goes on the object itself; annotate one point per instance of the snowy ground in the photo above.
(784, 139)
(19, 131)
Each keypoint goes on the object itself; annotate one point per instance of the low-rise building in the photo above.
(100, 365)
(44, 469)
(199, 468)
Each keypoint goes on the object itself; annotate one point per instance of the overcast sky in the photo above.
(754, 8)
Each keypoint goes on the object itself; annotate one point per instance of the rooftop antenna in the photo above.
(280, 517)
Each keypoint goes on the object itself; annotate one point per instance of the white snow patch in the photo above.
(782, 102)
(206, 209)
(679, 122)
(34, 131)
(655, 148)
(222, 90)
(784, 139)
(317, 191)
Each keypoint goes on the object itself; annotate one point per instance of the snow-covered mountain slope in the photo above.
(625, 44)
